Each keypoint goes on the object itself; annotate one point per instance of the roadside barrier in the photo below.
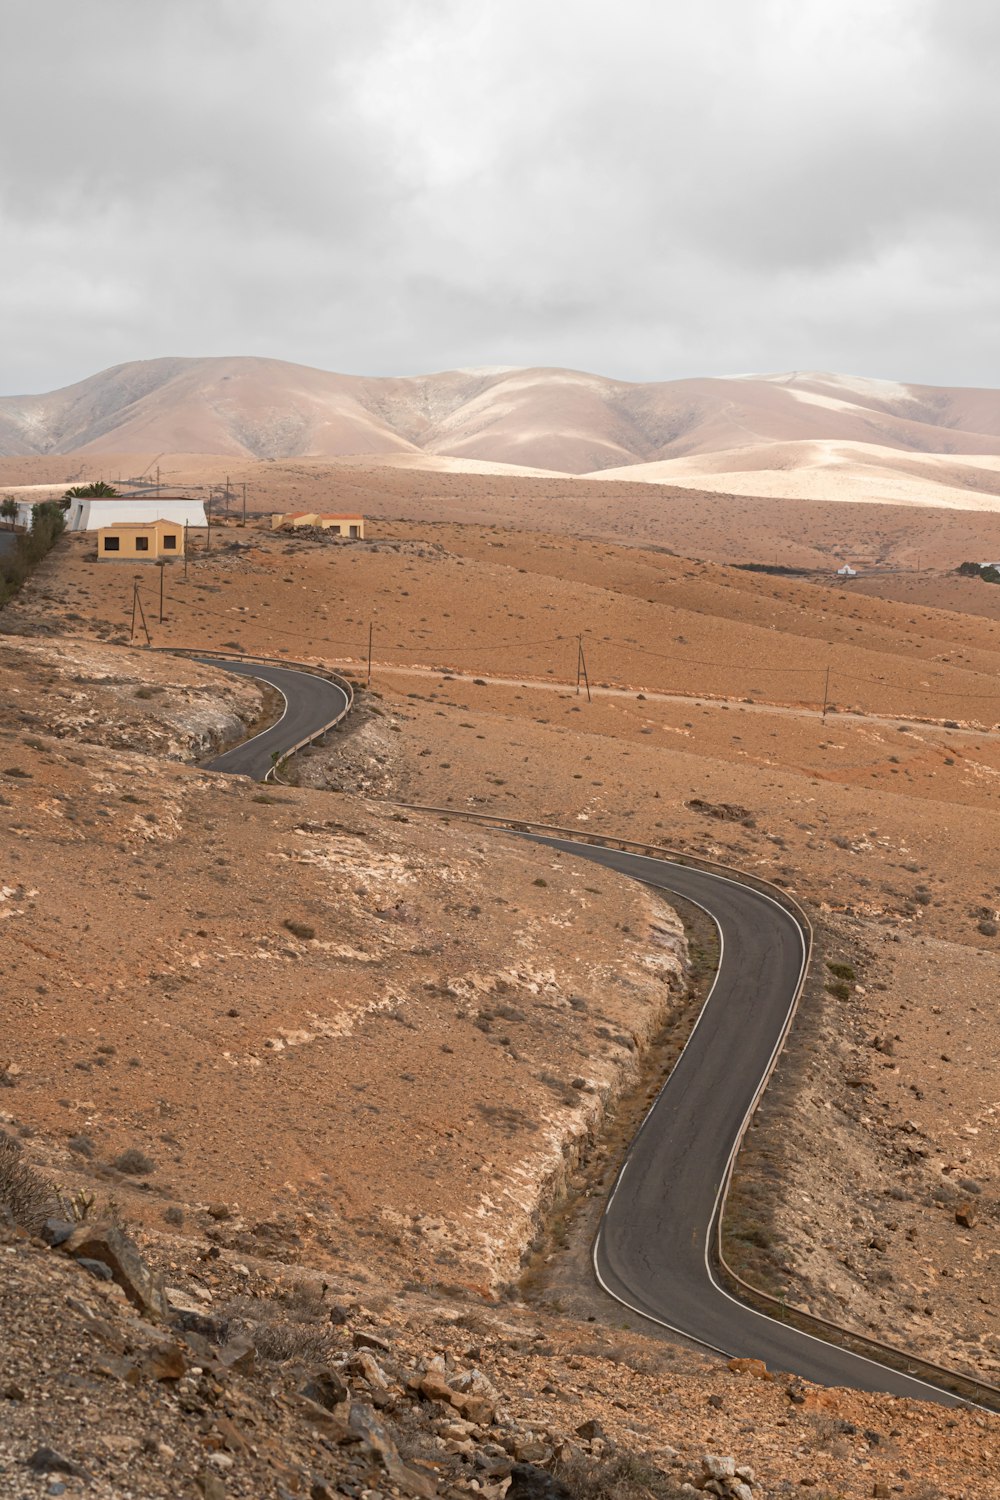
(344, 683)
(977, 1392)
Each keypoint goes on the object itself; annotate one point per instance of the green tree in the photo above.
(98, 489)
(8, 509)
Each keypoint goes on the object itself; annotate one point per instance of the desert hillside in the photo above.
(802, 434)
(356, 1081)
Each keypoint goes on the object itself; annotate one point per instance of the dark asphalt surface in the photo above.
(309, 702)
(651, 1251)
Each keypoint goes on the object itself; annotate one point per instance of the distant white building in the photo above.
(847, 571)
(92, 514)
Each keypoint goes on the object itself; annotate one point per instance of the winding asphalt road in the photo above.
(310, 702)
(652, 1248)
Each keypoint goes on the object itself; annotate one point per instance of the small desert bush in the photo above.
(282, 1342)
(134, 1163)
(624, 1476)
(300, 929)
(25, 1196)
(842, 971)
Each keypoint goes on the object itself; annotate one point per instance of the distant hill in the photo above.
(798, 435)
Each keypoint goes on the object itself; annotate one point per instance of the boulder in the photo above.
(373, 1437)
(164, 1362)
(754, 1367)
(238, 1354)
(326, 1389)
(529, 1482)
(107, 1244)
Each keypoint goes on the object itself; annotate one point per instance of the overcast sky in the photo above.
(644, 188)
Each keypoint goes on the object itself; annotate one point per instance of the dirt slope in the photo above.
(765, 432)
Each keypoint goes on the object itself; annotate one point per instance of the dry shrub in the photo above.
(25, 1195)
(623, 1476)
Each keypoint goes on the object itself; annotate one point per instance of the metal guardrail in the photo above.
(980, 1392)
(344, 683)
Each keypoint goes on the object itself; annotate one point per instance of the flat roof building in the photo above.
(85, 514)
(140, 541)
(349, 524)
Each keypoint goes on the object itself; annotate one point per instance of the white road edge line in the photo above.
(823, 1343)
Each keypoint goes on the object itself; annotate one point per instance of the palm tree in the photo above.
(8, 509)
(98, 489)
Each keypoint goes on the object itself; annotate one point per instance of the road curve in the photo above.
(310, 702)
(652, 1248)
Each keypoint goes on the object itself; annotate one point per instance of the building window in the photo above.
(142, 544)
(170, 544)
(335, 530)
(111, 544)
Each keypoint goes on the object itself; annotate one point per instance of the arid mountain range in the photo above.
(797, 435)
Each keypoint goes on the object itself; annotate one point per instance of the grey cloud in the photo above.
(644, 188)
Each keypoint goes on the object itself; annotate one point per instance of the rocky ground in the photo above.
(185, 1369)
(76, 689)
(292, 1003)
(374, 1067)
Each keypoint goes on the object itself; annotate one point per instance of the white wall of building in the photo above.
(89, 515)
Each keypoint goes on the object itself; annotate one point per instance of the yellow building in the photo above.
(293, 518)
(351, 525)
(140, 541)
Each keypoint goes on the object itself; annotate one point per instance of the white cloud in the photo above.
(644, 188)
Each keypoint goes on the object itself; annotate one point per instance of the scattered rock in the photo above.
(755, 1367)
(238, 1354)
(56, 1232)
(165, 1362)
(369, 1341)
(108, 1245)
(715, 1467)
(529, 1482)
(211, 1484)
(96, 1268)
(326, 1389)
(49, 1461)
(367, 1429)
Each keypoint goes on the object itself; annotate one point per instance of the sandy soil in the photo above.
(884, 825)
(290, 1003)
(687, 522)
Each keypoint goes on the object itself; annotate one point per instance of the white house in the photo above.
(92, 514)
(847, 571)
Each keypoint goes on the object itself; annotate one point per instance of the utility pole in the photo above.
(185, 551)
(208, 518)
(370, 629)
(826, 692)
(579, 661)
(583, 664)
(137, 605)
(244, 502)
(162, 566)
(227, 494)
